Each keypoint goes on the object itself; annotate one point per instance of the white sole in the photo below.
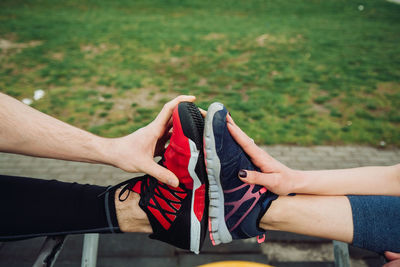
(218, 229)
(195, 226)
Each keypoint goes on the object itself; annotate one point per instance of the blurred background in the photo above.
(317, 79)
(300, 72)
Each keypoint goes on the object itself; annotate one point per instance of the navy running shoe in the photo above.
(235, 208)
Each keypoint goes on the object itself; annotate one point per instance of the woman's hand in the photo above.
(394, 259)
(136, 152)
(274, 175)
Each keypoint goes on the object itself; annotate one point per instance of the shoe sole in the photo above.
(219, 232)
(193, 134)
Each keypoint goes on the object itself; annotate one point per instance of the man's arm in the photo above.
(24, 130)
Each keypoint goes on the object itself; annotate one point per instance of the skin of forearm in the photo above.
(355, 181)
(24, 130)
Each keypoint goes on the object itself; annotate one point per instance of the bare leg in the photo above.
(322, 216)
(131, 218)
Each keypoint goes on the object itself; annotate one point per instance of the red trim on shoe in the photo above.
(181, 195)
(261, 238)
(171, 217)
(164, 205)
(164, 192)
(162, 208)
(210, 230)
(137, 187)
(263, 190)
(199, 202)
(177, 154)
(160, 218)
(176, 205)
(176, 189)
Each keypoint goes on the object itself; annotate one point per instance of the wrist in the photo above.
(84, 147)
(396, 173)
(103, 149)
(299, 181)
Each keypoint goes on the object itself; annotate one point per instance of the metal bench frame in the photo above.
(52, 246)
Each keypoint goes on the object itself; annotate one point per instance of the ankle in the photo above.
(131, 218)
(274, 218)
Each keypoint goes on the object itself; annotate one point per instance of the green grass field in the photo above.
(301, 72)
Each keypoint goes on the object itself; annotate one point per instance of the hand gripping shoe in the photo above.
(235, 207)
(178, 216)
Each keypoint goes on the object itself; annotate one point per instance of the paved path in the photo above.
(394, 1)
(282, 249)
(317, 157)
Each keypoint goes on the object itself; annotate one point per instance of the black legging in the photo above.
(35, 207)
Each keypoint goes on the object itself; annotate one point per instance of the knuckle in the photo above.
(167, 105)
(250, 142)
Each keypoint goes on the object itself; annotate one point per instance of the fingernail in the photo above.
(173, 182)
(242, 174)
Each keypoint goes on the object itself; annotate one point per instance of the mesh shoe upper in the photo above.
(244, 204)
(178, 216)
(166, 207)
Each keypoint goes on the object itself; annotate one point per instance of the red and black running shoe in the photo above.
(178, 216)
